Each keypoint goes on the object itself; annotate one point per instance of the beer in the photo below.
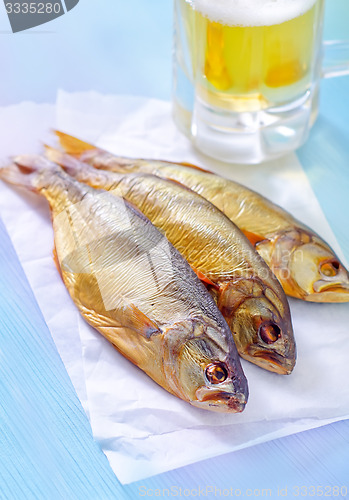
(242, 59)
(245, 56)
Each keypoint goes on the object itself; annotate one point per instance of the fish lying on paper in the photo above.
(247, 293)
(135, 288)
(305, 265)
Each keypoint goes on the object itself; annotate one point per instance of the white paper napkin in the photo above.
(142, 429)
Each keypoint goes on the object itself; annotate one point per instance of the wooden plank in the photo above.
(295, 465)
(46, 446)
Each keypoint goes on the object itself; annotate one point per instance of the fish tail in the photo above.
(71, 165)
(33, 163)
(13, 174)
(96, 157)
(25, 170)
(72, 145)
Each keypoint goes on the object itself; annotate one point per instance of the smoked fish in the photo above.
(247, 293)
(303, 262)
(135, 288)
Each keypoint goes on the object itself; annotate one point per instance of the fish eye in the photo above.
(269, 333)
(330, 268)
(216, 373)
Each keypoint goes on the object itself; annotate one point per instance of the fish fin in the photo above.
(12, 174)
(204, 278)
(72, 145)
(33, 163)
(56, 261)
(183, 186)
(252, 237)
(69, 163)
(25, 169)
(140, 322)
(55, 155)
(138, 211)
(191, 165)
(19, 175)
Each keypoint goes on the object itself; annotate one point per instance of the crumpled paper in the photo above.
(142, 429)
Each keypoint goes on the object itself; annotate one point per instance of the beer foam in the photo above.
(251, 12)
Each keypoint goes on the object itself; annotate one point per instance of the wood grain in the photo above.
(46, 446)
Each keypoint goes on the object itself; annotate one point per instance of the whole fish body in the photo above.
(135, 288)
(247, 293)
(305, 265)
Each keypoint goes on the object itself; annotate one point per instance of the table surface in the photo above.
(46, 446)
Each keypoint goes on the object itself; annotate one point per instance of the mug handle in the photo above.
(335, 58)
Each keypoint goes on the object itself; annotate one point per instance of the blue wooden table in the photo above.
(46, 446)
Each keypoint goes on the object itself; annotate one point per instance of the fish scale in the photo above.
(219, 253)
(303, 262)
(103, 246)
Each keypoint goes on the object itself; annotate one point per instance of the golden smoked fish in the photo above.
(305, 265)
(135, 288)
(247, 293)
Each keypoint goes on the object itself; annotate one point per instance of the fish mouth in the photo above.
(272, 362)
(224, 402)
(335, 292)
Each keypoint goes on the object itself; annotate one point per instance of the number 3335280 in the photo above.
(33, 8)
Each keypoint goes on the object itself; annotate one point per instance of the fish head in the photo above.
(309, 268)
(316, 269)
(260, 321)
(202, 362)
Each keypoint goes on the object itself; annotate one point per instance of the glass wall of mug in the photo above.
(246, 75)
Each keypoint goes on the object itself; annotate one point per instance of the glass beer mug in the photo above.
(247, 73)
